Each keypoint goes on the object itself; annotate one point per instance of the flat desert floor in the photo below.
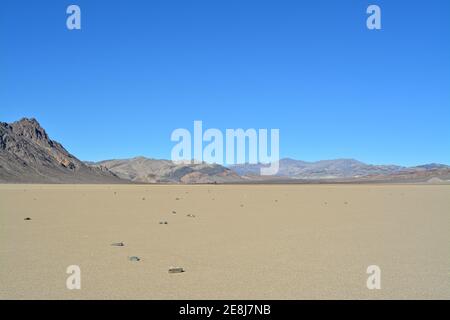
(240, 242)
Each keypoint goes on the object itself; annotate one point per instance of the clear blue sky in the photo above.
(140, 69)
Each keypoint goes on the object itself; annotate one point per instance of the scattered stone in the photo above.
(345, 202)
(177, 199)
(163, 222)
(191, 215)
(242, 205)
(27, 218)
(174, 212)
(134, 259)
(143, 198)
(176, 270)
(118, 244)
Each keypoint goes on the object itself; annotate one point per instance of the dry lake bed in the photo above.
(231, 241)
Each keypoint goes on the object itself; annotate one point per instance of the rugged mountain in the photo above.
(28, 155)
(147, 170)
(325, 169)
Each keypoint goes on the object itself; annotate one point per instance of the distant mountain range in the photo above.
(339, 169)
(344, 170)
(28, 155)
(325, 169)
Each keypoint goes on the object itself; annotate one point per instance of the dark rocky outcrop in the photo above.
(28, 155)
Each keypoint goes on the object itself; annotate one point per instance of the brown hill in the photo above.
(145, 170)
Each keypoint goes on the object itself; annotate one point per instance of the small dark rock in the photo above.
(118, 244)
(134, 259)
(176, 270)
